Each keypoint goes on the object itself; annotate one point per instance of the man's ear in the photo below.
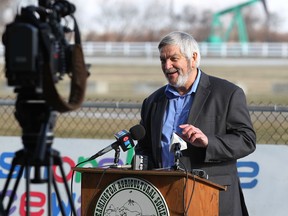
(195, 56)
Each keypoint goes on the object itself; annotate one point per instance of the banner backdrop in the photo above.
(262, 175)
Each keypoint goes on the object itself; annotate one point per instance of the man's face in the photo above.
(176, 67)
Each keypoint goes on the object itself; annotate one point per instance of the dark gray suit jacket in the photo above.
(219, 109)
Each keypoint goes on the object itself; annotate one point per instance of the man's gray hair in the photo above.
(187, 44)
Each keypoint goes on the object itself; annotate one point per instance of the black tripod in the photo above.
(37, 121)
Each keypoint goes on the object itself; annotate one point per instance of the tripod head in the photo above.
(37, 121)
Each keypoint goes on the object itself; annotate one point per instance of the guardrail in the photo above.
(149, 49)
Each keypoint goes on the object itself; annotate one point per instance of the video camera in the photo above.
(37, 54)
(35, 36)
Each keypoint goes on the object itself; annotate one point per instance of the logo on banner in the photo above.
(131, 196)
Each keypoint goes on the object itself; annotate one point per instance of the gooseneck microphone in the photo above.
(124, 139)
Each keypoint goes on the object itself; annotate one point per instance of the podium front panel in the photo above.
(181, 192)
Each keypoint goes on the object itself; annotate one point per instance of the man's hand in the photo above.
(194, 135)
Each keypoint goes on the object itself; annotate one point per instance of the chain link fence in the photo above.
(101, 119)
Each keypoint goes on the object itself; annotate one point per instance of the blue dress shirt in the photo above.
(177, 112)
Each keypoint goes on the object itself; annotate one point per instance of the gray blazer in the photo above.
(219, 109)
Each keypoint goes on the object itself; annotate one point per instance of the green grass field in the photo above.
(262, 84)
(265, 84)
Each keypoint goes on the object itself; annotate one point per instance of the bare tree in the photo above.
(5, 8)
(263, 29)
(155, 19)
(115, 20)
(123, 20)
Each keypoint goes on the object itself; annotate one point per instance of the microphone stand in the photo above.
(116, 156)
(116, 160)
(177, 155)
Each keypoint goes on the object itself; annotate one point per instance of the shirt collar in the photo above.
(172, 93)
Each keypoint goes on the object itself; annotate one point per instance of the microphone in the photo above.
(177, 140)
(200, 173)
(176, 146)
(124, 139)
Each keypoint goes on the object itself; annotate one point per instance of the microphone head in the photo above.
(124, 139)
(177, 139)
(137, 132)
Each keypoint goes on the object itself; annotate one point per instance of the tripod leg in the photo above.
(58, 196)
(51, 179)
(49, 187)
(1, 209)
(7, 182)
(14, 188)
(27, 190)
(67, 190)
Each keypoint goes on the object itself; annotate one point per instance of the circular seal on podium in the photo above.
(131, 196)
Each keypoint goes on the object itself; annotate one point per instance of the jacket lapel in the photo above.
(156, 125)
(200, 98)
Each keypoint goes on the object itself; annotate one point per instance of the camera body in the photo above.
(36, 39)
(23, 55)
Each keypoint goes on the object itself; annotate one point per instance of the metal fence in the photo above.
(149, 49)
(101, 119)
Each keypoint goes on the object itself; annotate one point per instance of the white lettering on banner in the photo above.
(262, 175)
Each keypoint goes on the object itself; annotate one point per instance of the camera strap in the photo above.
(79, 75)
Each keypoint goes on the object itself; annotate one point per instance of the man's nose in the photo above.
(168, 64)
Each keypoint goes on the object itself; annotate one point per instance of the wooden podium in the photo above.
(182, 192)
